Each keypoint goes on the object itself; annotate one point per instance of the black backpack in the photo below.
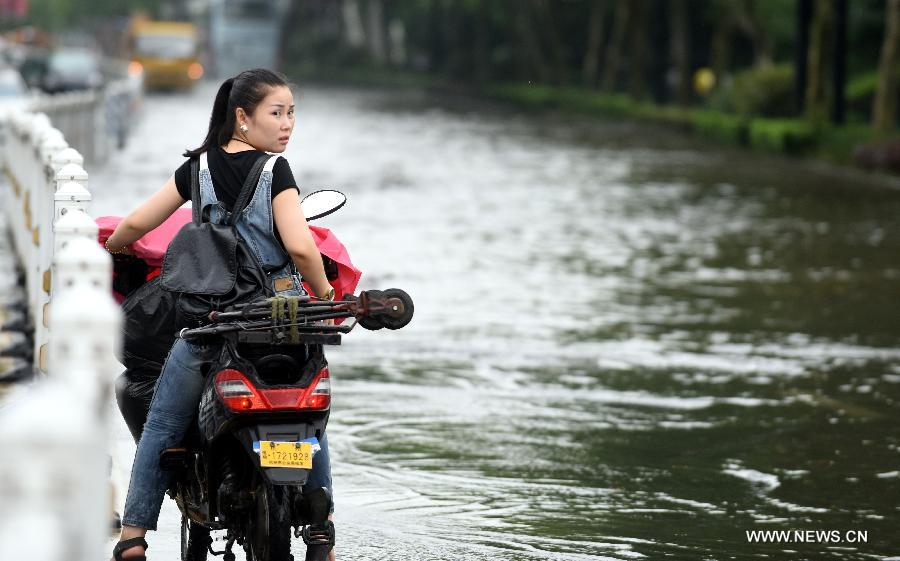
(208, 265)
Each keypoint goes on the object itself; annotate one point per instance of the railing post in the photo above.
(73, 173)
(56, 508)
(22, 171)
(13, 142)
(12, 148)
(87, 324)
(41, 508)
(31, 182)
(69, 219)
(72, 223)
(51, 143)
(67, 156)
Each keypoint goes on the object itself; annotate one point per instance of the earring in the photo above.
(243, 127)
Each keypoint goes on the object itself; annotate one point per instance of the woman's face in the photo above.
(270, 126)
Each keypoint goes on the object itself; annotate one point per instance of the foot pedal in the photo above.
(319, 540)
(173, 459)
(319, 534)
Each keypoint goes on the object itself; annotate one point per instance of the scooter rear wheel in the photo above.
(269, 528)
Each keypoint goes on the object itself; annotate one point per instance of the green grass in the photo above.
(788, 136)
(791, 136)
(715, 125)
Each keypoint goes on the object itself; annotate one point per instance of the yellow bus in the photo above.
(166, 52)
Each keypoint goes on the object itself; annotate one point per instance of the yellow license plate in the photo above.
(285, 454)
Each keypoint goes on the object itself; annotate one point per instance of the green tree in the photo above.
(553, 45)
(816, 60)
(594, 47)
(637, 83)
(884, 110)
(680, 49)
(528, 37)
(50, 14)
(622, 15)
(58, 15)
(481, 45)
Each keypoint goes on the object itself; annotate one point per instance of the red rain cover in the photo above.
(152, 247)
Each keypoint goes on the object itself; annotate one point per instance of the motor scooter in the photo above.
(264, 408)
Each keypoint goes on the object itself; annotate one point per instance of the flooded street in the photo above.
(627, 344)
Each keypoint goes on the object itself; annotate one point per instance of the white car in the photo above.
(72, 69)
(14, 94)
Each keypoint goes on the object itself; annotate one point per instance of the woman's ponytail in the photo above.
(218, 121)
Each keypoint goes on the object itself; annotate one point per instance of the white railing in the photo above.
(53, 434)
(94, 122)
(54, 498)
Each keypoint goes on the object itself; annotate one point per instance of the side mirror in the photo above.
(322, 203)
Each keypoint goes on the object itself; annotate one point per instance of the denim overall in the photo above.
(177, 393)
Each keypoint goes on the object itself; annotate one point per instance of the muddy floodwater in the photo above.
(627, 344)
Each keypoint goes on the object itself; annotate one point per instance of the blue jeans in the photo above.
(173, 409)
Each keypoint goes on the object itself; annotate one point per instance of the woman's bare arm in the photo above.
(298, 240)
(146, 217)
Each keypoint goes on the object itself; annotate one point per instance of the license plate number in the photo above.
(285, 454)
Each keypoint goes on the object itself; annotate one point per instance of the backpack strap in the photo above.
(270, 165)
(195, 191)
(247, 189)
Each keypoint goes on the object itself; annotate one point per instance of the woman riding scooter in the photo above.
(253, 114)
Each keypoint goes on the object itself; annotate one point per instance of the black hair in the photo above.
(246, 90)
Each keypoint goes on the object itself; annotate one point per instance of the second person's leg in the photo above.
(172, 410)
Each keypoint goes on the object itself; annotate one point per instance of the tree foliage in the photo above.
(646, 49)
(61, 15)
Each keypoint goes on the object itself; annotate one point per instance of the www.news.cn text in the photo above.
(807, 536)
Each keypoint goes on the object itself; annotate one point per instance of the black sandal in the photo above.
(128, 544)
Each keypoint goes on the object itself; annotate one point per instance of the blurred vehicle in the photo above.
(12, 85)
(12, 54)
(72, 69)
(33, 67)
(244, 34)
(14, 96)
(166, 52)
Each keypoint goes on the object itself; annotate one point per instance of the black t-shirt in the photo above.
(229, 171)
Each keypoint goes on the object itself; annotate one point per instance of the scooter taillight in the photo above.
(320, 396)
(239, 394)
